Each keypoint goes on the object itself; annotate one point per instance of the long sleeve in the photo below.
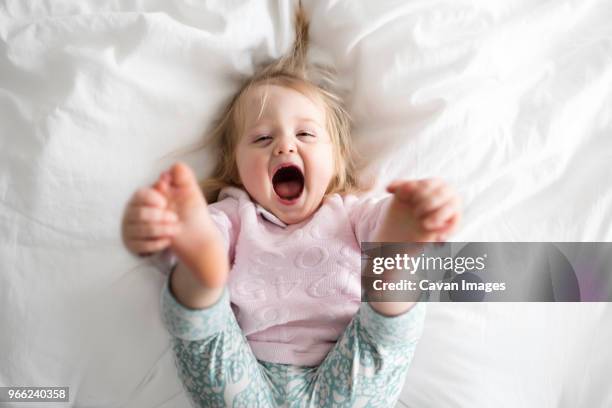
(225, 216)
(366, 214)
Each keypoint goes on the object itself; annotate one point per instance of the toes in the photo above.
(182, 175)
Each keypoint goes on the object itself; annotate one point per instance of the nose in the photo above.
(284, 145)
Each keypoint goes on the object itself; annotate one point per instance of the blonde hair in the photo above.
(290, 71)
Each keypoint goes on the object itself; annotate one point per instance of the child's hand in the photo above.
(147, 225)
(421, 211)
(165, 214)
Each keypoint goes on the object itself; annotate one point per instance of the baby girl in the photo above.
(263, 299)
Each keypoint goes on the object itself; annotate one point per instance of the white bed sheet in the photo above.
(510, 101)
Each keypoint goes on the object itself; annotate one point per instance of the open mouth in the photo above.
(288, 183)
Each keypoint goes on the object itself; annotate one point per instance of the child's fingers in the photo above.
(149, 197)
(393, 185)
(403, 189)
(449, 227)
(425, 188)
(453, 223)
(150, 231)
(437, 218)
(163, 183)
(138, 215)
(147, 247)
(434, 200)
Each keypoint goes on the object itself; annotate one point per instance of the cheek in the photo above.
(239, 163)
(251, 168)
(330, 158)
(324, 161)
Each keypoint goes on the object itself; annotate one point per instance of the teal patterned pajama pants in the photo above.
(366, 368)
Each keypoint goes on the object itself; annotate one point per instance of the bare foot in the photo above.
(196, 231)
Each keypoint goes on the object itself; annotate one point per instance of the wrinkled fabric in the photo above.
(507, 100)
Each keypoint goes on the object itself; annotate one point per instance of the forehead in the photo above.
(272, 102)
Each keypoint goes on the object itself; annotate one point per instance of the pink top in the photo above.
(295, 288)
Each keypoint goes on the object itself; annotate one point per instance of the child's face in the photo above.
(291, 129)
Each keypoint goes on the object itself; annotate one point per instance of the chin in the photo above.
(290, 216)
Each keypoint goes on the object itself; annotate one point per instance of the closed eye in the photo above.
(262, 138)
(305, 134)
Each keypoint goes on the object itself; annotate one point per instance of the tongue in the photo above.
(288, 189)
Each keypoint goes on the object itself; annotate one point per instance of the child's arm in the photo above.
(420, 211)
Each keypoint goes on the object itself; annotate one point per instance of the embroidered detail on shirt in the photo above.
(269, 260)
(311, 257)
(347, 255)
(284, 286)
(252, 289)
(323, 286)
(326, 231)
